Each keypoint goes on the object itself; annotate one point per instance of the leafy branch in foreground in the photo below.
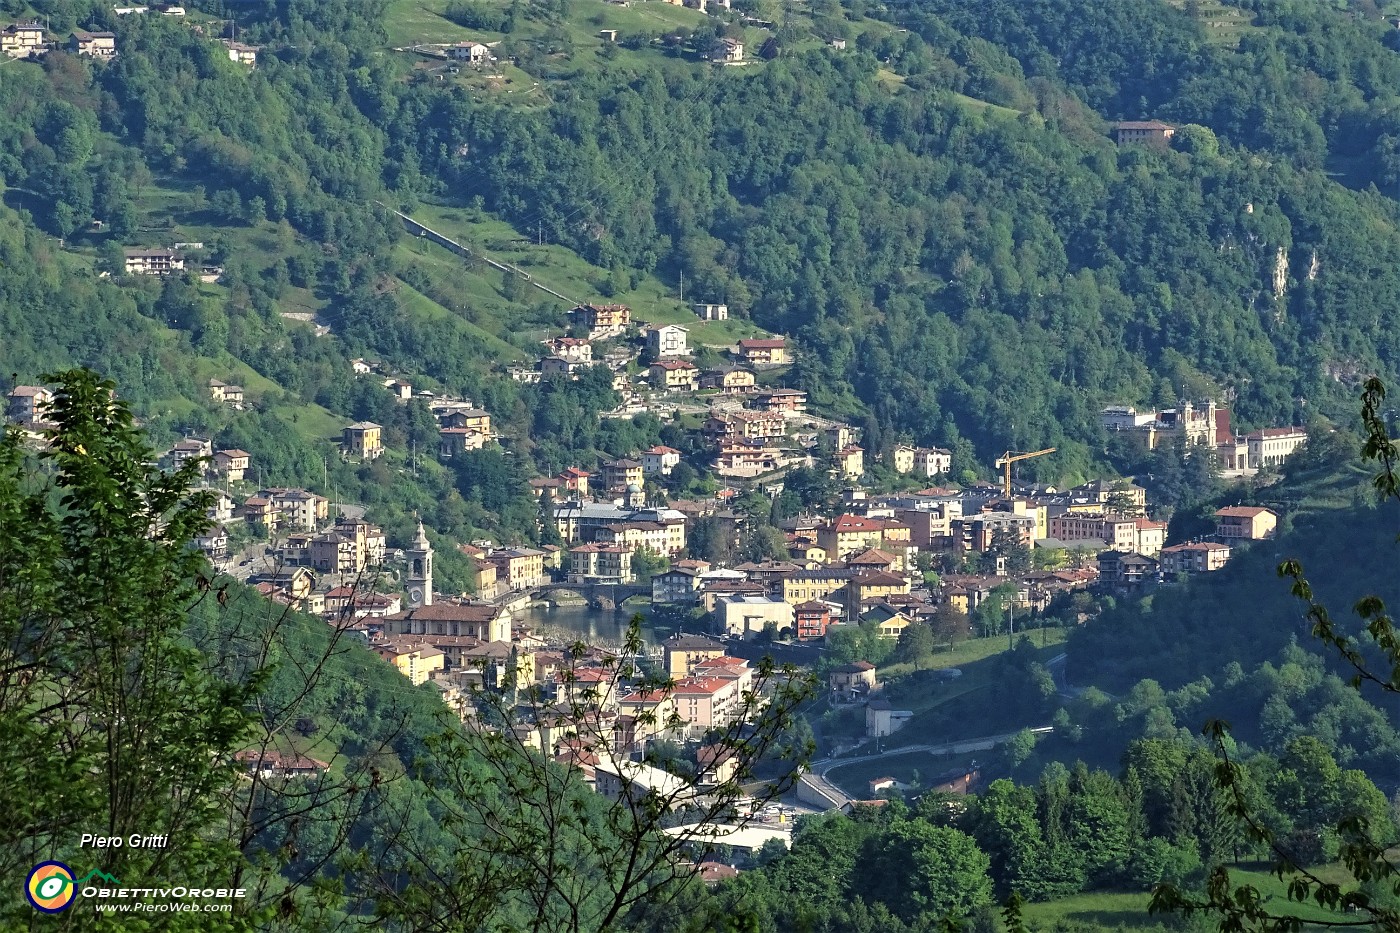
(535, 848)
(1370, 862)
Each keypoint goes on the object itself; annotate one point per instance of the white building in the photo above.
(1271, 446)
(667, 340)
(747, 616)
(660, 459)
(473, 52)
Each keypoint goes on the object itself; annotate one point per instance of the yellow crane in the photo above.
(1011, 457)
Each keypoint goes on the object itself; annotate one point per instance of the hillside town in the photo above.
(955, 558)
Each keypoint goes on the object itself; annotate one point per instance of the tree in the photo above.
(1364, 832)
(927, 873)
(950, 624)
(96, 583)
(916, 643)
(1019, 748)
(533, 845)
(1007, 544)
(646, 564)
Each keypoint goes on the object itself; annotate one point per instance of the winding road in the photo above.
(817, 780)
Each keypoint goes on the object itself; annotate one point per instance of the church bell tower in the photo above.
(420, 571)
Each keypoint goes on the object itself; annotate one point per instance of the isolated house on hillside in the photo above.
(22, 40)
(93, 44)
(1144, 132)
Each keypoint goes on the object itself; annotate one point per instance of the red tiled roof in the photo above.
(1241, 511)
(707, 686)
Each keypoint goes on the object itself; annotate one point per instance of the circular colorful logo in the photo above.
(50, 887)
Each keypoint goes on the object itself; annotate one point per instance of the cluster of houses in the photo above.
(29, 40)
(751, 429)
(589, 711)
(461, 428)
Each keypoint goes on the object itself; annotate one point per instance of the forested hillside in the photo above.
(924, 196)
(979, 277)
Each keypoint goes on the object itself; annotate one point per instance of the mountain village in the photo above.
(937, 555)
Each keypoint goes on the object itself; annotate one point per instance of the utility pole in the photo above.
(325, 472)
(682, 285)
(539, 233)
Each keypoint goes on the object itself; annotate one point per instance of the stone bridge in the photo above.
(606, 596)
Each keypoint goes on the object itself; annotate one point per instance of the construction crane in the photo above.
(1011, 457)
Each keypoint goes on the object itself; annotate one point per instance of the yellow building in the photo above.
(473, 419)
(674, 375)
(807, 585)
(416, 662)
(519, 568)
(1253, 523)
(362, 439)
(685, 652)
(850, 461)
(21, 40)
(622, 474)
(766, 351)
(878, 584)
(894, 626)
(851, 534)
(903, 459)
(667, 539)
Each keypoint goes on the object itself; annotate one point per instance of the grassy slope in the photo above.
(1112, 909)
(973, 649)
(930, 701)
(555, 266)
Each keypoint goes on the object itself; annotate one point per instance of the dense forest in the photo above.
(961, 276)
(1161, 817)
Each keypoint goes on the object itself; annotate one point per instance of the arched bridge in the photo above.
(606, 596)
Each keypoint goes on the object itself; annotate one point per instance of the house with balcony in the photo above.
(101, 45)
(1194, 557)
(674, 375)
(783, 401)
(667, 340)
(729, 381)
(600, 563)
(1245, 522)
(621, 475)
(602, 321)
(232, 463)
(29, 404)
(850, 462)
(22, 40)
(765, 351)
(143, 261)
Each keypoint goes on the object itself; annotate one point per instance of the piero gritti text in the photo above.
(134, 841)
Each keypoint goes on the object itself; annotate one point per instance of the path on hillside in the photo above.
(471, 252)
(982, 743)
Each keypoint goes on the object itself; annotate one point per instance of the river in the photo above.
(594, 626)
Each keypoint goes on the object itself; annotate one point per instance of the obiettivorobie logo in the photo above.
(51, 886)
